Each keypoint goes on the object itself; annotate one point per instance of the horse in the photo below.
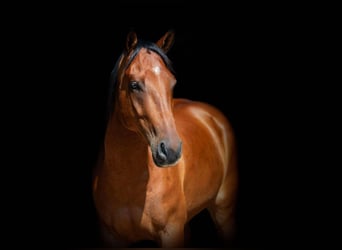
(163, 159)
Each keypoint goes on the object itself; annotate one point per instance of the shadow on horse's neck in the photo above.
(118, 126)
(131, 143)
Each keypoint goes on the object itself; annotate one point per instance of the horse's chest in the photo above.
(132, 223)
(144, 216)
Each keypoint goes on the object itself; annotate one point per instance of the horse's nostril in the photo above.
(162, 152)
(163, 148)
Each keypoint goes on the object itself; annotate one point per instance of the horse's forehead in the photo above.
(147, 60)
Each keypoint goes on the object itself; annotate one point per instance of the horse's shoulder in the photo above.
(196, 108)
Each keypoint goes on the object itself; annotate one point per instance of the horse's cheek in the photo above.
(126, 112)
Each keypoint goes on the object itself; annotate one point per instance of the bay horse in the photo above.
(163, 159)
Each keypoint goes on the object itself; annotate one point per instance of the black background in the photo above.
(249, 61)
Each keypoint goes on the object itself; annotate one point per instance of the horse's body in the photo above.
(164, 160)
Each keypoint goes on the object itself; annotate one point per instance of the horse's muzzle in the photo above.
(165, 155)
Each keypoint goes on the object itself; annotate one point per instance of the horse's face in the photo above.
(145, 98)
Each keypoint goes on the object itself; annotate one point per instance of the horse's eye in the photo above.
(135, 86)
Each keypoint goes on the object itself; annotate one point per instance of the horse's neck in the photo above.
(127, 158)
(123, 145)
(117, 132)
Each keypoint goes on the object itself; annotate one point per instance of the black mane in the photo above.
(114, 74)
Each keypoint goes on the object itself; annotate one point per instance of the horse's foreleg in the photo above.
(224, 220)
(223, 211)
(172, 236)
(110, 239)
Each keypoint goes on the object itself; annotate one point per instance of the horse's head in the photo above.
(144, 96)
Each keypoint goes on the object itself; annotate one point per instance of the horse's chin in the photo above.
(166, 165)
(160, 164)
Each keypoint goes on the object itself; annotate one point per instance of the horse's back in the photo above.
(209, 153)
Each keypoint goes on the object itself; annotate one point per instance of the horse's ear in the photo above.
(131, 41)
(166, 41)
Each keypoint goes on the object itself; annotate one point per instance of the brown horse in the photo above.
(164, 160)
